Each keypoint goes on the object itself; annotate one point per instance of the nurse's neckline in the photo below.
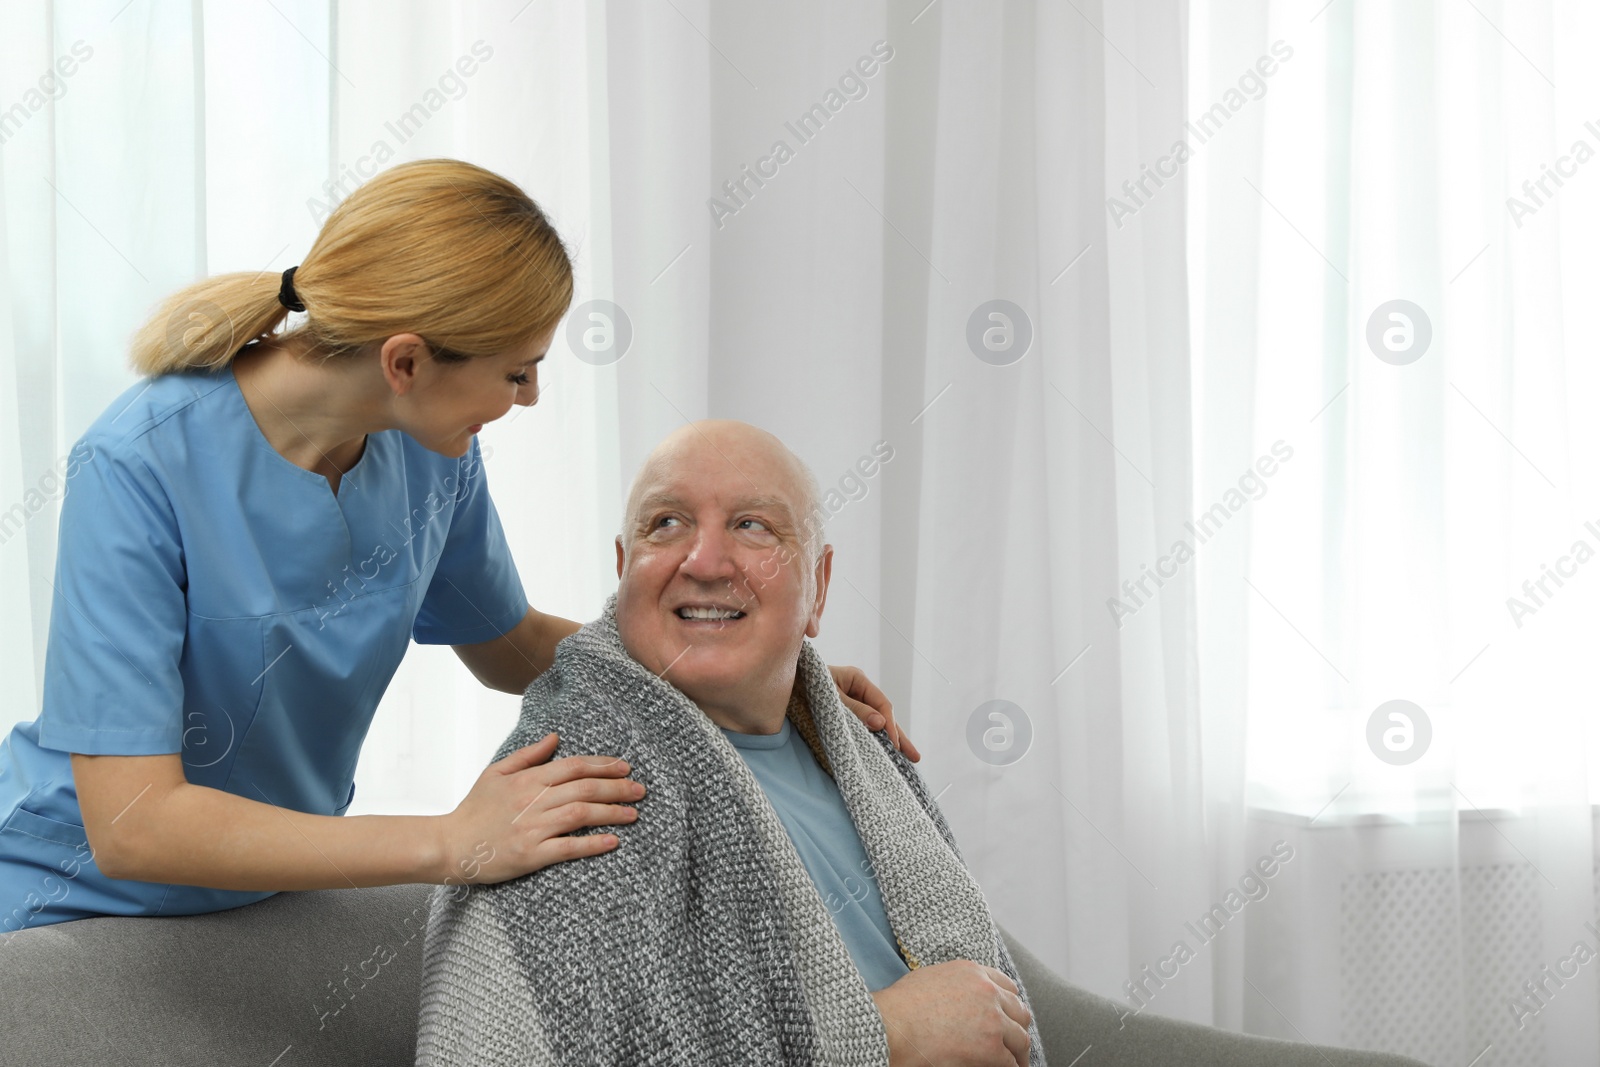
(324, 466)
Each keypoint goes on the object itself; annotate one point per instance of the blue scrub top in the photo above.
(215, 600)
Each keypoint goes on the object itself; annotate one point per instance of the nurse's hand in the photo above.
(871, 707)
(518, 815)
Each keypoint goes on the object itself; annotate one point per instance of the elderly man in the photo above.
(789, 892)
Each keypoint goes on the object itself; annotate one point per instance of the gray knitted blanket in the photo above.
(700, 939)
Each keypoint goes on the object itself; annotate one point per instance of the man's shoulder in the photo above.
(556, 701)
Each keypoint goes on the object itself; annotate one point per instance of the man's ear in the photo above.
(400, 359)
(619, 557)
(824, 572)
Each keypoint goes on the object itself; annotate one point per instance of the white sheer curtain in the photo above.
(1427, 485)
(86, 246)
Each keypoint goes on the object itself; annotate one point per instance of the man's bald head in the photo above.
(764, 464)
(722, 572)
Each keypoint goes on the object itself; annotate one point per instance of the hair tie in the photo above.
(286, 293)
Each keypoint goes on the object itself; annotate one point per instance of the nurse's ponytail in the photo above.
(439, 248)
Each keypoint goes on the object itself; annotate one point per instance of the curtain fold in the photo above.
(30, 446)
(1395, 304)
(82, 84)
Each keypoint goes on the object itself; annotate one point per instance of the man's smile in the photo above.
(703, 616)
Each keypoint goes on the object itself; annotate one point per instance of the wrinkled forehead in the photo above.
(692, 473)
(728, 464)
(697, 498)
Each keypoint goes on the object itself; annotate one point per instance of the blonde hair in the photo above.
(440, 248)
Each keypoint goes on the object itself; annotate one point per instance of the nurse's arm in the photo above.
(146, 822)
(510, 662)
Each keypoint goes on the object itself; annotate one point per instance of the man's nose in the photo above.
(710, 555)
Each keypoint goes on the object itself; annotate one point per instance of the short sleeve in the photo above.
(475, 594)
(118, 615)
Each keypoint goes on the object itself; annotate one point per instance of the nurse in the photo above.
(250, 539)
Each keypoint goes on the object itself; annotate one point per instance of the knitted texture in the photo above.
(701, 938)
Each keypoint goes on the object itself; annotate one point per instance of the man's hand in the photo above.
(871, 706)
(956, 1014)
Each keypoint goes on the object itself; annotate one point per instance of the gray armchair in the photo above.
(334, 977)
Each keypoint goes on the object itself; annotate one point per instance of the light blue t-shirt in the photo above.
(812, 811)
(215, 600)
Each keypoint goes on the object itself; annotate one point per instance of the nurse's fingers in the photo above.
(528, 755)
(566, 769)
(523, 813)
(554, 824)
